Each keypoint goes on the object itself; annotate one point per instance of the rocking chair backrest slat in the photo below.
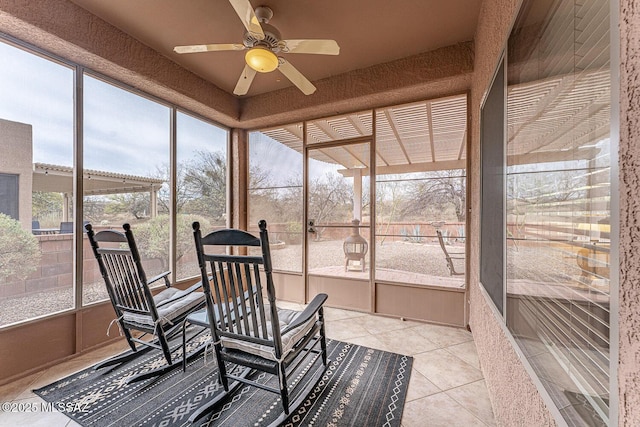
(244, 312)
(259, 297)
(122, 271)
(122, 277)
(252, 295)
(220, 286)
(235, 305)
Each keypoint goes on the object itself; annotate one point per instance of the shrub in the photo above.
(19, 250)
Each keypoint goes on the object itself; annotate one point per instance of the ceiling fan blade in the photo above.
(319, 47)
(248, 17)
(195, 48)
(296, 77)
(244, 82)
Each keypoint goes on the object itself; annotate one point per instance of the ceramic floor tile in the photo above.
(340, 314)
(406, 341)
(12, 390)
(444, 336)
(444, 369)
(55, 373)
(105, 352)
(437, 410)
(467, 352)
(474, 398)
(344, 330)
(379, 324)
(368, 341)
(420, 387)
(33, 413)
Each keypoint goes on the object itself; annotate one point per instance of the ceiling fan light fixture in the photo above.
(262, 60)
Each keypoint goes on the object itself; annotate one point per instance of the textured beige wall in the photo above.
(629, 246)
(515, 400)
(17, 158)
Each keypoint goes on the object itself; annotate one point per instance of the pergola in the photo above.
(59, 179)
(431, 135)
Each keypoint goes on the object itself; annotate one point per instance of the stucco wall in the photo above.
(515, 400)
(629, 163)
(17, 158)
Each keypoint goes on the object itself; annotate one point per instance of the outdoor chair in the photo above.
(66, 227)
(450, 257)
(136, 308)
(252, 333)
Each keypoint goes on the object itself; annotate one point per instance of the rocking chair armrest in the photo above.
(160, 276)
(307, 313)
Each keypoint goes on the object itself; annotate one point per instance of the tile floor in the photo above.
(446, 387)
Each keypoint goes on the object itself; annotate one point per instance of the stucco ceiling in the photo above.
(368, 32)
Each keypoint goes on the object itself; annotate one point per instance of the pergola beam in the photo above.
(431, 141)
(394, 129)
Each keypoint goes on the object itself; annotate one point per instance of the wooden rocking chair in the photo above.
(251, 332)
(135, 307)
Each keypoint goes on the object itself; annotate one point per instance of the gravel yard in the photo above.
(525, 262)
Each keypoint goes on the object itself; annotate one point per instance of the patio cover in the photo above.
(432, 135)
(59, 179)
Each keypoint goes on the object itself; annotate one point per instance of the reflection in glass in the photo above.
(126, 150)
(421, 192)
(339, 205)
(36, 186)
(201, 187)
(275, 193)
(558, 202)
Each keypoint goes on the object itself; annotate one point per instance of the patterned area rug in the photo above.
(361, 387)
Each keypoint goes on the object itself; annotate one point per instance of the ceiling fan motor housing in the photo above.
(271, 38)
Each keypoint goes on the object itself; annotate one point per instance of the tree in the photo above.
(203, 185)
(389, 199)
(45, 204)
(330, 199)
(438, 190)
(152, 237)
(19, 250)
(137, 204)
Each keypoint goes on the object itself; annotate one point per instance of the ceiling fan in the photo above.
(264, 44)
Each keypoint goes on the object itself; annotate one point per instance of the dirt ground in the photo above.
(524, 262)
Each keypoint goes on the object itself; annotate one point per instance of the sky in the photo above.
(123, 132)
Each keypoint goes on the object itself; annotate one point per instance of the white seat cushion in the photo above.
(285, 317)
(171, 303)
